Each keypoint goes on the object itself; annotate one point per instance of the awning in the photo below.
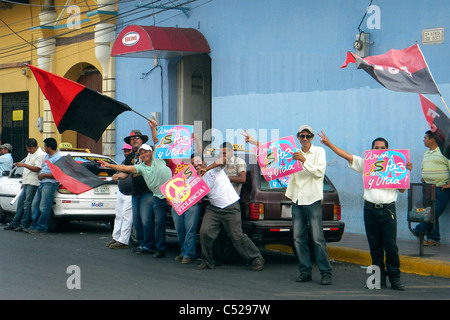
(159, 42)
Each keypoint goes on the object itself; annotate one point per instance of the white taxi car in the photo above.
(96, 204)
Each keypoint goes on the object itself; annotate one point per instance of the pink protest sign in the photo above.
(184, 189)
(386, 169)
(275, 158)
(175, 142)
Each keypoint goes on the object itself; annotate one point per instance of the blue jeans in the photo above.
(302, 216)
(160, 210)
(442, 199)
(41, 208)
(142, 207)
(23, 212)
(186, 227)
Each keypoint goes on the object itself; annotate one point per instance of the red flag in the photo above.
(439, 124)
(76, 107)
(398, 70)
(73, 176)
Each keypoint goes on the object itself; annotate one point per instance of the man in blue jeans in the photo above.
(32, 166)
(41, 207)
(305, 189)
(435, 171)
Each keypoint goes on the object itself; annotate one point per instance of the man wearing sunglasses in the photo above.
(305, 189)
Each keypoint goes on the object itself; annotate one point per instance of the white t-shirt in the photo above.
(222, 192)
(377, 196)
(35, 159)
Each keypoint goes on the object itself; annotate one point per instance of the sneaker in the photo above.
(10, 227)
(258, 264)
(431, 243)
(35, 231)
(179, 258)
(397, 285)
(110, 242)
(118, 245)
(326, 280)
(143, 251)
(204, 265)
(303, 277)
(159, 254)
(18, 229)
(186, 260)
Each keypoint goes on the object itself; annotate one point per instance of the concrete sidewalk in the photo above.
(354, 248)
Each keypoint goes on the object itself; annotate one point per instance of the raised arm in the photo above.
(118, 167)
(152, 124)
(250, 139)
(340, 152)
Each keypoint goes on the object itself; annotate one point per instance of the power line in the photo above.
(129, 22)
(13, 50)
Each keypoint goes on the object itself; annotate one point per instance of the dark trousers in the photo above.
(381, 231)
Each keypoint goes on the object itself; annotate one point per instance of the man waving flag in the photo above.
(398, 70)
(76, 107)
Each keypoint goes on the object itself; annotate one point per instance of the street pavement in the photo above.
(354, 248)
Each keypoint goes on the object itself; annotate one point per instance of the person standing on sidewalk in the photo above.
(30, 182)
(305, 189)
(436, 171)
(380, 219)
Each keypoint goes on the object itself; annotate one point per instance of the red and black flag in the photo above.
(398, 70)
(74, 176)
(439, 124)
(76, 107)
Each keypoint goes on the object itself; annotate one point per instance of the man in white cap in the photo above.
(305, 189)
(155, 173)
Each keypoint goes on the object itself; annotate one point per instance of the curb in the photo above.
(414, 265)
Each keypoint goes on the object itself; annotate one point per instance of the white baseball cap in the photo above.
(145, 147)
(305, 127)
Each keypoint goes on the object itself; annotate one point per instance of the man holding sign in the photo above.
(225, 211)
(305, 189)
(380, 219)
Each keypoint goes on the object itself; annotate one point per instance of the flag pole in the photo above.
(432, 77)
(442, 98)
(140, 115)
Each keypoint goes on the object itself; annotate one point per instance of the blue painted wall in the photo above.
(276, 65)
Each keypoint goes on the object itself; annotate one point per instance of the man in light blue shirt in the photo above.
(6, 160)
(41, 207)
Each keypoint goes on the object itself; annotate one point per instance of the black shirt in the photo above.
(139, 185)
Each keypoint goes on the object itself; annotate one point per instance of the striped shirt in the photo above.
(435, 168)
